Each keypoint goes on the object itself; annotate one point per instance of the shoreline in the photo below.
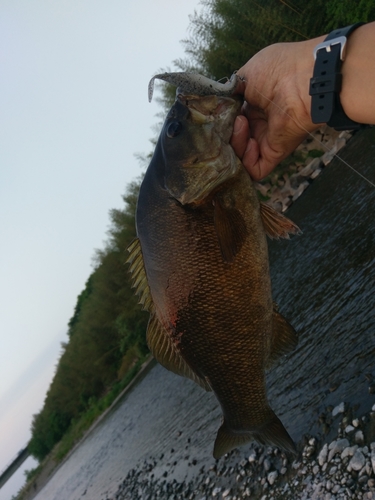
(342, 468)
(49, 466)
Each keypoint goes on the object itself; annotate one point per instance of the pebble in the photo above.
(322, 457)
(359, 438)
(338, 409)
(338, 447)
(357, 461)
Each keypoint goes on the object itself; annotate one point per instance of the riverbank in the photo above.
(56, 459)
(294, 175)
(343, 468)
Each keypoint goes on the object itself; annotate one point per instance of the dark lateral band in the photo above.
(325, 85)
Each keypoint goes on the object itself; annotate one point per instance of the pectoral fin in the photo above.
(230, 229)
(275, 224)
(166, 353)
(284, 338)
(138, 274)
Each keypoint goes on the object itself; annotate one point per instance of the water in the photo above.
(324, 283)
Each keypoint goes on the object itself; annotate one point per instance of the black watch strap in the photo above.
(325, 85)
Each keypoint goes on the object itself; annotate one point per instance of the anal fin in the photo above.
(166, 353)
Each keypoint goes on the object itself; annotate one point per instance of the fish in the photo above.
(200, 266)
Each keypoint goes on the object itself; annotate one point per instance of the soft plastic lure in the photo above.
(192, 83)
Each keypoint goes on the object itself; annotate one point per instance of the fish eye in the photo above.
(174, 129)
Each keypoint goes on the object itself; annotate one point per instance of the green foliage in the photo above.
(315, 153)
(344, 12)
(30, 474)
(107, 322)
(94, 410)
(224, 34)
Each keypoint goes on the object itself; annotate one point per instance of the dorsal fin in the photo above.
(138, 275)
(284, 338)
(166, 353)
(230, 229)
(275, 224)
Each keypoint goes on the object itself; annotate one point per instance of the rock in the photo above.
(373, 459)
(310, 167)
(226, 493)
(357, 461)
(322, 457)
(272, 476)
(300, 190)
(328, 157)
(252, 457)
(345, 135)
(338, 409)
(338, 447)
(339, 144)
(315, 174)
(266, 465)
(262, 188)
(349, 429)
(359, 438)
(349, 451)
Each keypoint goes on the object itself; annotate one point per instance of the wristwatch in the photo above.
(325, 85)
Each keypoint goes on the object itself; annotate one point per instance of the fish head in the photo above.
(195, 145)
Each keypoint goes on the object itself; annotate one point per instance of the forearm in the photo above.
(358, 81)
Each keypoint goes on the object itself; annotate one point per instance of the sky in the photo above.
(74, 113)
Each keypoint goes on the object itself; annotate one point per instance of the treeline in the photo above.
(107, 330)
(106, 336)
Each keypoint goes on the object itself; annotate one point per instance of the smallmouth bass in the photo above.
(200, 267)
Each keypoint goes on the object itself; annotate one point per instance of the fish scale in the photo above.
(201, 235)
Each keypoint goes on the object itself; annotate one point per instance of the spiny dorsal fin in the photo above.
(284, 338)
(275, 224)
(138, 274)
(230, 229)
(167, 354)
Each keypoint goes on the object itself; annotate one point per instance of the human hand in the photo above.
(276, 114)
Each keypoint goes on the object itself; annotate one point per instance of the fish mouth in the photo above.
(206, 109)
(210, 108)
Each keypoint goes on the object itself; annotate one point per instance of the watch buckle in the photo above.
(328, 46)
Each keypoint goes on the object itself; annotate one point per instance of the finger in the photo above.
(240, 135)
(251, 160)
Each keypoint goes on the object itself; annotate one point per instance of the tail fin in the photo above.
(272, 432)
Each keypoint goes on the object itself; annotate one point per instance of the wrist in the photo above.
(326, 83)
